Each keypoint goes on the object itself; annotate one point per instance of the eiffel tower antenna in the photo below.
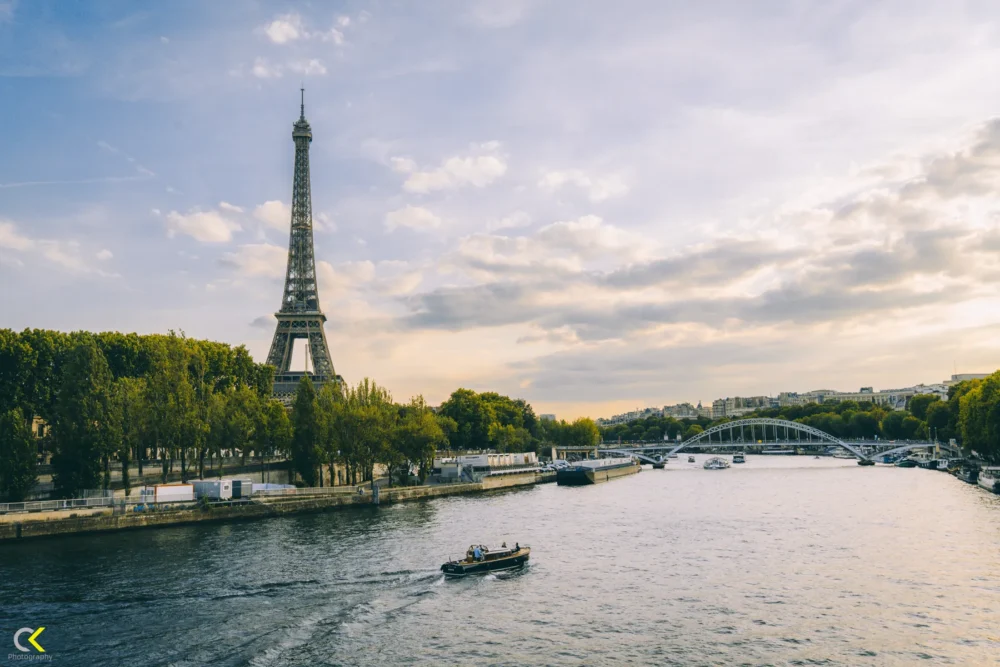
(300, 315)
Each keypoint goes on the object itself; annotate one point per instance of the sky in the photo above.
(593, 206)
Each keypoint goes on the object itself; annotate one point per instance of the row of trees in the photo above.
(360, 427)
(111, 399)
(489, 420)
(970, 415)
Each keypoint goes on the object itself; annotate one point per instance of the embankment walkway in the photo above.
(70, 522)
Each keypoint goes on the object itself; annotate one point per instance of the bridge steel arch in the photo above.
(765, 422)
(630, 452)
(917, 445)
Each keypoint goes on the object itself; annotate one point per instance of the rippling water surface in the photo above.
(780, 561)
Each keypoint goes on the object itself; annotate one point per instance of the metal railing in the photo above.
(54, 505)
(315, 491)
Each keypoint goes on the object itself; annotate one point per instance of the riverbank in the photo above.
(50, 524)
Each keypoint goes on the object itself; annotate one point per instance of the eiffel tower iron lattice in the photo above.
(300, 315)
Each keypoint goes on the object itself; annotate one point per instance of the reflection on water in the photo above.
(779, 560)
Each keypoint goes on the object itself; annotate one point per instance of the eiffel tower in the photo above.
(300, 315)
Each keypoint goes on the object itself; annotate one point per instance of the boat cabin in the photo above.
(481, 553)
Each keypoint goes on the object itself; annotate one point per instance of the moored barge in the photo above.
(989, 478)
(596, 471)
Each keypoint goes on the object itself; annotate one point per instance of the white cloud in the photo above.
(480, 169)
(512, 221)
(204, 226)
(62, 252)
(497, 14)
(308, 67)
(285, 28)
(226, 206)
(332, 35)
(323, 222)
(11, 238)
(597, 188)
(334, 281)
(104, 255)
(275, 214)
(262, 69)
(414, 217)
(164, 40)
(288, 28)
(258, 259)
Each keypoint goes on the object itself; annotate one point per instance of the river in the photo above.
(784, 560)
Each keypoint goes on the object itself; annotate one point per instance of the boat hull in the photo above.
(582, 477)
(463, 568)
(988, 481)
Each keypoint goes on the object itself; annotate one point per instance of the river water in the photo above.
(789, 560)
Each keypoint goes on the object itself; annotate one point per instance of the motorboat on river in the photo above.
(716, 463)
(481, 559)
(739, 457)
(691, 459)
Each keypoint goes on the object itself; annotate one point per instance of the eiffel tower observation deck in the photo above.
(300, 315)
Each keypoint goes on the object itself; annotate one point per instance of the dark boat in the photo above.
(480, 560)
(969, 474)
(865, 462)
(906, 463)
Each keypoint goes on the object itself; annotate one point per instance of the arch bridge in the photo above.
(794, 434)
(738, 431)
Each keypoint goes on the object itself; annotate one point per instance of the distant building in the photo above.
(627, 417)
(680, 411)
(547, 418)
(962, 377)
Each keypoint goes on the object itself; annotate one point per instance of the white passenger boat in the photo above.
(716, 463)
(739, 457)
(989, 478)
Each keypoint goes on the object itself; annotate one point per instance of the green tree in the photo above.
(912, 428)
(305, 432)
(373, 420)
(892, 425)
(18, 457)
(938, 418)
(863, 425)
(583, 432)
(418, 436)
(692, 431)
(980, 417)
(274, 432)
(920, 403)
(83, 428)
(129, 407)
(474, 417)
